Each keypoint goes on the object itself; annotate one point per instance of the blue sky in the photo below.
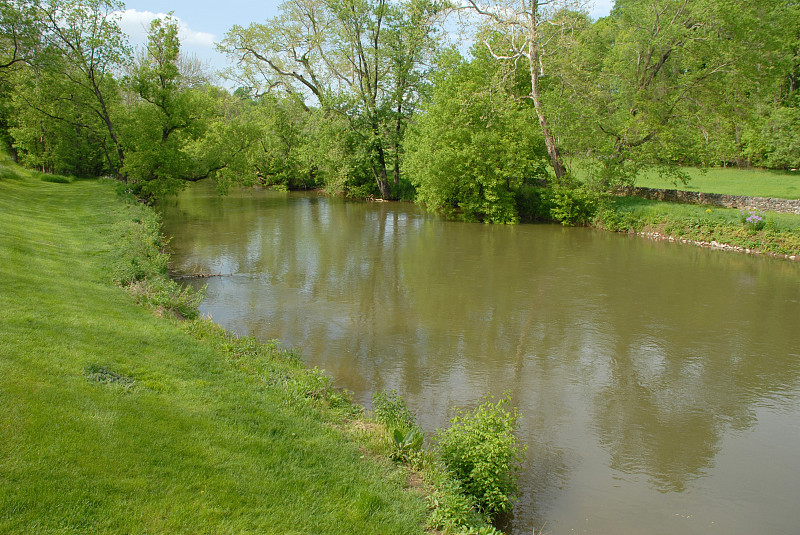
(203, 23)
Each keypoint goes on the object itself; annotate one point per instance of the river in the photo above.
(658, 383)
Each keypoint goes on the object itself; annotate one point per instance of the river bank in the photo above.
(117, 421)
(747, 231)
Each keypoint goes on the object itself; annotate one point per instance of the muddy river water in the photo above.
(658, 384)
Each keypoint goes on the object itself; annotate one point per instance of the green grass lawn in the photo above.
(733, 181)
(116, 421)
(729, 181)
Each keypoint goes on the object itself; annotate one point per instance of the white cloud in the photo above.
(136, 23)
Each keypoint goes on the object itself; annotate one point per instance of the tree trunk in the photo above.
(379, 161)
(533, 61)
(106, 118)
(398, 136)
(381, 176)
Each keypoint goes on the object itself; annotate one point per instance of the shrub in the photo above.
(451, 509)
(573, 206)
(533, 203)
(482, 452)
(391, 410)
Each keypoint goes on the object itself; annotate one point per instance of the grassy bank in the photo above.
(122, 412)
(116, 421)
(766, 233)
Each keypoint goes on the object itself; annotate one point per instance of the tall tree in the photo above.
(20, 32)
(62, 62)
(86, 47)
(661, 82)
(346, 57)
(177, 131)
(522, 23)
(474, 152)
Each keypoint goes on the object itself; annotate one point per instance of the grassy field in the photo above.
(116, 421)
(733, 181)
(728, 180)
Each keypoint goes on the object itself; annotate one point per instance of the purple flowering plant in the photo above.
(753, 220)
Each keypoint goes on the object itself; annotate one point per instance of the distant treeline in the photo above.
(371, 98)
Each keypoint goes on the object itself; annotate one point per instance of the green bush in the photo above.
(573, 206)
(391, 410)
(482, 452)
(533, 203)
(451, 509)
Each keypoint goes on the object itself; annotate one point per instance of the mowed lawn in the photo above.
(113, 420)
(727, 180)
(733, 181)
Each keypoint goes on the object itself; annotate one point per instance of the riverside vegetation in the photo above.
(121, 418)
(370, 98)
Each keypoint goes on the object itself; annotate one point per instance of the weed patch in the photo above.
(103, 375)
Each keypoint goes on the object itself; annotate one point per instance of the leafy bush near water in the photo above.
(481, 450)
(472, 475)
(392, 411)
(573, 205)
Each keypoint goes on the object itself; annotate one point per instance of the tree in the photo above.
(177, 132)
(52, 127)
(772, 135)
(349, 58)
(86, 46)
(474, 149)
(58, 76)
(663, 81)
(20, 32)
(522, 25)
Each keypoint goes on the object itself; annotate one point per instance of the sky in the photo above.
(203, 23)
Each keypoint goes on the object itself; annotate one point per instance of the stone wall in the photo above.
(763, 204)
